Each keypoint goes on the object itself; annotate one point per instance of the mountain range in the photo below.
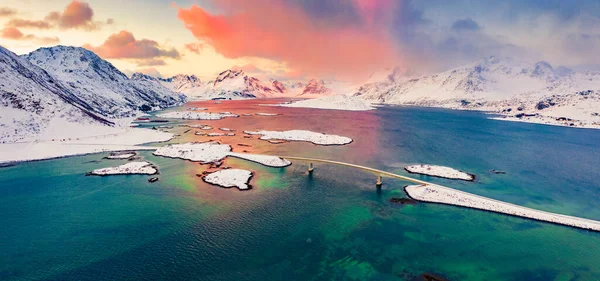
(53, 88)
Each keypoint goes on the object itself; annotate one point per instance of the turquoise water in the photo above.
(61, 225)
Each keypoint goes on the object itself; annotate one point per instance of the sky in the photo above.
(300, 39)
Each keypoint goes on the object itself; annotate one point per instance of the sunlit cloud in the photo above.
(195, 48)
(12, 33)
(23, 23)
(284, 32)
(7, 12)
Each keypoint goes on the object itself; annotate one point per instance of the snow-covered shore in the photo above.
(440, 172)
(230, 178)
(210, 152)
(193, 115)
(131, 168)
(336, 102)
(302, 135)
(449, 196)
(129, 139)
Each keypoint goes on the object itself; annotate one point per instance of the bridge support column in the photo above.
(378, 183)
(310, 168)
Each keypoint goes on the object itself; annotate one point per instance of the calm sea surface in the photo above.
(58, 224)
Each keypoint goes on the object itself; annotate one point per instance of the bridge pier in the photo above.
(310, 168)
(378, 183)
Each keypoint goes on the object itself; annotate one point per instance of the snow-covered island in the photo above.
(194, 115)
(266, 114)
(444, 195)
(122, 155)
(210, 152)
(131, 168)
(336, 102)
(302, 135)
(230, 178)
(440, 172)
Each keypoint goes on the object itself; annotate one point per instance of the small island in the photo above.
(131, 168)
(301, 135)
(193, 115)
(230, 178)
(440, 172)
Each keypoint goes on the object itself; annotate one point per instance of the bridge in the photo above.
(432, 193)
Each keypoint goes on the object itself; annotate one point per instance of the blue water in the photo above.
(59, 224)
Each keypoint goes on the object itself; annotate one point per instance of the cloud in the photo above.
(7, 12)
(151, 62)
(77, 15)
(12, 33)
(23, 23)
(195, 48)
(465, 25)
(149, 71)
(123, 45)
(285, 32)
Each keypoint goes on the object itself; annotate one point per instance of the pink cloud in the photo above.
(277, 30)
(123, 45)
(75, 15)
(195, 48)
(23, 23)
(12, 33)
(7, 12)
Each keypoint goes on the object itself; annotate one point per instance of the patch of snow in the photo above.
(266, 114)
(192, 115)
(449, 196)
(131, 168)
(230, 178)
(302, 135)
(121, 155)
(440, 172)
(338, 102)
(210, 152)
(114, 140)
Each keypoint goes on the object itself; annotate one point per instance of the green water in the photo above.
(59, 224)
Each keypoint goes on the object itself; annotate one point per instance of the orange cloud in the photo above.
(6, 12)
(123, 45)
(276, 30)
(76, 15)
(22, 23)
(12, 33)
(194, 47)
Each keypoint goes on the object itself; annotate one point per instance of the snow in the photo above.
(141, 168)
(226, 129)
(337, 102)
(302, 135)
(210, 152)
(195, 115)
(267, 160)
(121, 155)
(449, 196)
(220, 134)
(498, 85)
(439, 171)
(230, 178)
(266, 114)
(96, 141)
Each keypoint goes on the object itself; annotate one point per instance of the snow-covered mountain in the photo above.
(107, 90)
(229, 84)
(32, 101)
(503, 85)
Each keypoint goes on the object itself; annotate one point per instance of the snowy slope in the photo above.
(31, 101)
(106, 89)
(501, 85)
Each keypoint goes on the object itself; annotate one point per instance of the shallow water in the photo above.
(334, 225)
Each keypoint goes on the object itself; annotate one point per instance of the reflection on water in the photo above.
(333, 225)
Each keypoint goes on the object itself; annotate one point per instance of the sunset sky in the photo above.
(306, 38)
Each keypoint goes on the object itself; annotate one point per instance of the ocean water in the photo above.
(59, 224)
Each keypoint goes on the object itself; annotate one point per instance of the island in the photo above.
(440, 172)
(230, 178)
(302, 135)
(131, 168)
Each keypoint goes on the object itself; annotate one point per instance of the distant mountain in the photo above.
(495, 84)
(31, 99)
(229, 84)
(107, 90)
(315, 87)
